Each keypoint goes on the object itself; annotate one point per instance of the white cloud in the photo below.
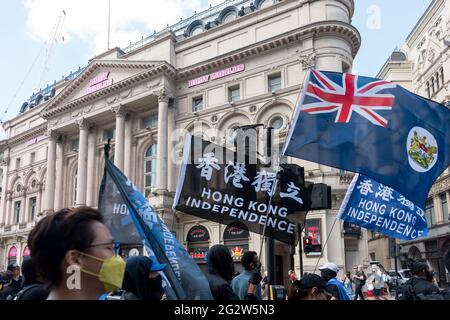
(87, 19)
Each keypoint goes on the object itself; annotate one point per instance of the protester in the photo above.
(142, 280)
(309, 287)
(329, 273)
(33, 288)
(359, 279)
(420, 286)
(240, 284)
(220, 273)
(387, 280)
(17, 280)
(74, 254)
(377, 280)
(348, 284)
(7, 292)
(292, 276)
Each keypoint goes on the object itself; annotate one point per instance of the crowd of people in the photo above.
(77, 240)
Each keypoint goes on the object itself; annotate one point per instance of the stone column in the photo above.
(59, 175)
(120, 137)
(9, 208)
(128, 145)
(172, 174)
(161, 166)
(5, 165)
(23, 208)
(82, 162)
(439, 215)
(49, 201)
(91, 169)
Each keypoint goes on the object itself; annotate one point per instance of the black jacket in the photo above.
(220, 273)
(422, 286)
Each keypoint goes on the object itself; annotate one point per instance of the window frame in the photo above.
(270, 78)
(153, 174)
(234, 88)
(194, 107)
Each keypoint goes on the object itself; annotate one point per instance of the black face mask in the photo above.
(155, 288)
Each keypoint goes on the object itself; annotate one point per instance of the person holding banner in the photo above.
(220, 273)
(240, 283)
(75, 255)
(142, 280)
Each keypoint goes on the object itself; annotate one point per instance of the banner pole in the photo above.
(326, 241)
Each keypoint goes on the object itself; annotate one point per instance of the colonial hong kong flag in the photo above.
(373, 127)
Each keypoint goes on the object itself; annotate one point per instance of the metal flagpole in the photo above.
(326, 241)
(109, 21)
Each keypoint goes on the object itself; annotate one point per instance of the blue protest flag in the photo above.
(379, 208)
(373, 127)
(183, 277)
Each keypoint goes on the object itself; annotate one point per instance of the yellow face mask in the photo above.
(111, 273)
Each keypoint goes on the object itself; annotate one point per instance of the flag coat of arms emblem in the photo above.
(372, 127)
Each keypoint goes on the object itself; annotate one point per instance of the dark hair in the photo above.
(247, 259)
(296, 291)
(57, 233)
(29, 271)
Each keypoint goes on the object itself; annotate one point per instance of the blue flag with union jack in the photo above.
(373, 127)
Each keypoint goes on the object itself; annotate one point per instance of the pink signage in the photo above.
(36, 140)
(99, 82)
(12, 252)
(26, 252)
(216, 75)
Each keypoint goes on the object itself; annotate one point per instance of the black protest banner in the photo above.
(213, 185)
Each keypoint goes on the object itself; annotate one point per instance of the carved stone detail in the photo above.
(308, 60)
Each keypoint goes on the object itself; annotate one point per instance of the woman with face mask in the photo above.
(142, 280)
(75, 255)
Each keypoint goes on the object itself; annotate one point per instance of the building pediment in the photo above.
(102, 78)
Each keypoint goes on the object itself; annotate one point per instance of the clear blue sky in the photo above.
(24, 26)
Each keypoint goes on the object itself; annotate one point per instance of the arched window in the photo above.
(230, 16)
(264, 4)
(150, 169)
(438, 84)
(432, 86)
(428, 89)
(442, 76)
(197, 30)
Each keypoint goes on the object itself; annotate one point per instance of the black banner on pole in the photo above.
(214, 185)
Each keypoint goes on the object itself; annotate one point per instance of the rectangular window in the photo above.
(17, 163)
(75, 144)
(32, 208)
(274, 82)
(197, 104)
(32, 157)
(429, 213)
(17, 212)
(110, 134)
(151, 122)
(234, 93)
(444, 207)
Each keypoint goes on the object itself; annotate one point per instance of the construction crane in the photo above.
(48, 48)
(54, 38)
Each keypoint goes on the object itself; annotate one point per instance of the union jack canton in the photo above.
(348, 97)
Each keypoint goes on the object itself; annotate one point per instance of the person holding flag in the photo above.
(181, 278)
